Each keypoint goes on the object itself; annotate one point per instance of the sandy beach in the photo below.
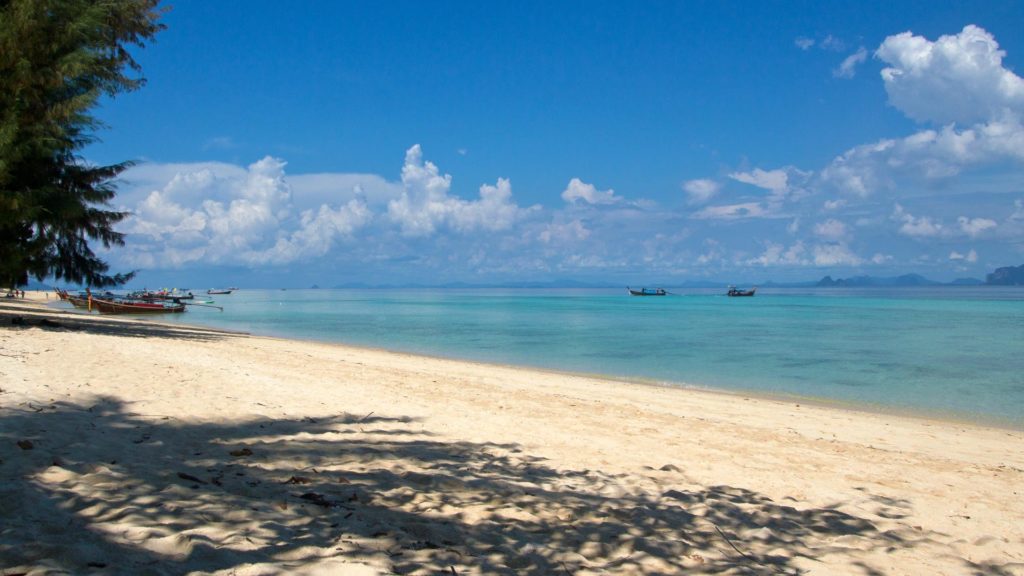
(131, 447)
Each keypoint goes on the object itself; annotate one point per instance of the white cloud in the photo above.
(957, 82)
(563, 233)
(848, 68)
(778, 255)
(784, 183)
(958, 78)
(316, 233)
(831, 229)
(971, 256)
(213, 216)
(835, 255)
(916, 227)
(833, 205)
(804, 43)
(579, 190)
(732, 212)
(425, 205)
(774, 180)
(701, 190)
(925, 156)
(832, 43)
(974, 227)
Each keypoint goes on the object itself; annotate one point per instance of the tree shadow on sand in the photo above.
(103, 489)
(18, 315)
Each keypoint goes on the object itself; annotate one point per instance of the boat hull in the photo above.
(112, 307)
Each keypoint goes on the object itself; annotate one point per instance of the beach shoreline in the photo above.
(174, 448)
(917, 413)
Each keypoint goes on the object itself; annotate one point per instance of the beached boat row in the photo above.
(141, 302)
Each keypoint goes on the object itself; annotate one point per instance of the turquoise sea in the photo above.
(946, 351)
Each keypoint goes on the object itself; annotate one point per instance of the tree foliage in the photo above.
(57, 59)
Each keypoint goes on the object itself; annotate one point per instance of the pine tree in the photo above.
(57, 59)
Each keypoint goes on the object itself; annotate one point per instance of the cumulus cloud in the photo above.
(971, 256)
(831, 229)
(579, 190)
(958, 78)
(701, 190)
(235, 217)
(564, 233)
(926, 156)
(848, 67)
(779, 255)
(958, 83)
(425, 204)
(916, 227)
(836, 254)
(974, 227)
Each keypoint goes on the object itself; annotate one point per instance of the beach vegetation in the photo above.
(58, 58)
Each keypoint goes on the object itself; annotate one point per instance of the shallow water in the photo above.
(951, 351)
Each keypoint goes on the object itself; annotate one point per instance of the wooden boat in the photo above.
(112, 306)
(172, 296)
(78, 301)
(647, 291)
(733, 291)
(212, 291)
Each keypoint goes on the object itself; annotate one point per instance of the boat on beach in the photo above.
(110, 303)
(124, 306)
(733, 291)
(153, 295)
(647, 291)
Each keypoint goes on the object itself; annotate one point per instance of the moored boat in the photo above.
(647, 291)
(733, 291)
(215, 291)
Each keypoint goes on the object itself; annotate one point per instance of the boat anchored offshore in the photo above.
(733, 291)
(647, 291)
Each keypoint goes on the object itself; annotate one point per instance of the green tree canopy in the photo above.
(57, 58)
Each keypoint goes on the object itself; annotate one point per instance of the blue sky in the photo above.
(657, 142)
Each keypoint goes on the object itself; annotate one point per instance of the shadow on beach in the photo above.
(103, 488)
(19, 314)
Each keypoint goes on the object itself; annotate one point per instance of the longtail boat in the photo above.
(647, 291)
(172, 295)
(134, 306)
(733, 291)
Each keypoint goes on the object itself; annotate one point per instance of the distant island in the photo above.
(894, 281)
(1006, 276)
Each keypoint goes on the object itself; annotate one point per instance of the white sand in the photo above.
(170, 450)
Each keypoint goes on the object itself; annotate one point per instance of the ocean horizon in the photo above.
(948, 352)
